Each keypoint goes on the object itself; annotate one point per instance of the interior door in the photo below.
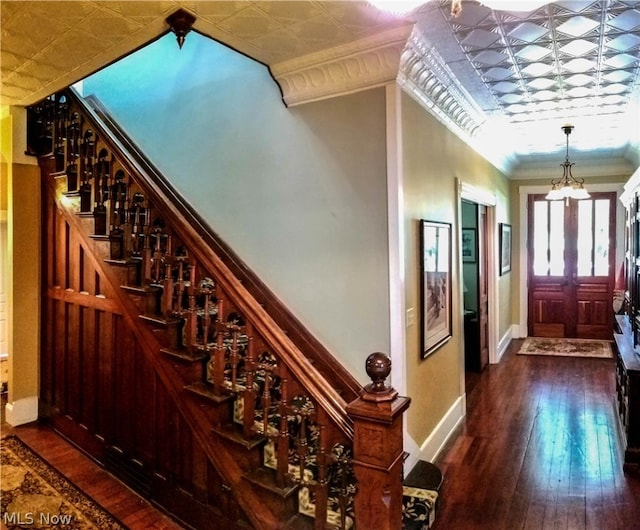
(571, 266)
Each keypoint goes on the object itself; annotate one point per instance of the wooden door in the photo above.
(571, 266)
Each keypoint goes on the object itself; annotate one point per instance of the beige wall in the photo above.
(21, 267)
(433, 158)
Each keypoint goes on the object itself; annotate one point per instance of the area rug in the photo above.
(566, 347)
(34, 495)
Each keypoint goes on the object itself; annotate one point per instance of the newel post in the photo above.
(378, 449)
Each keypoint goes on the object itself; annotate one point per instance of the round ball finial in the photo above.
(378, 367)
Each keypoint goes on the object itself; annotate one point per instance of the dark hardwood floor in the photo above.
(540, 450)
(132, 510)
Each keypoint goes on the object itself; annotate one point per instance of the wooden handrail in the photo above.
(268, 315)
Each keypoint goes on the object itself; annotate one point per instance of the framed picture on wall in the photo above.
(505, 248)
(435, 285)
(469, 245)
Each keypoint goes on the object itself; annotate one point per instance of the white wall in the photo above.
(299, 194)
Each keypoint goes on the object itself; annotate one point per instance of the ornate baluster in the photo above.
(248, 419)
(283, 436)
(168, 286)
(157, 251)
(234, 328)
(191, 325)
(146, 246)
(60, 131)
(344, 481)
(180, 260)
(118, 196)
(137, 215)
(101, 196)
(73, 150)
(321, 486)
(218, 354)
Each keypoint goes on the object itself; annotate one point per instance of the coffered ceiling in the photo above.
(525, 73)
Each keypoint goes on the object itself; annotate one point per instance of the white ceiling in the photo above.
(530, 73)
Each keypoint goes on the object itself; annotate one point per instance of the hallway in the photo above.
(539, 450)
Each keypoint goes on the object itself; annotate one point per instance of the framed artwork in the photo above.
(505, 248)
(469, 245)
(435, 285)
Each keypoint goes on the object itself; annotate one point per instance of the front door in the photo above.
(571, 253)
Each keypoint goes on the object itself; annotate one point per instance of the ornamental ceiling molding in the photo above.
(366, 63)
(425, 76)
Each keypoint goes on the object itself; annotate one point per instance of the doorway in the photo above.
(571, 256)
(475, 287)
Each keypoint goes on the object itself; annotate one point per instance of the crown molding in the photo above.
(425, 76)
(366, 63)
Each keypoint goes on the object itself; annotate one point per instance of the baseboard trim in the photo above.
(21, 411)
(444, 430)
(504, 343)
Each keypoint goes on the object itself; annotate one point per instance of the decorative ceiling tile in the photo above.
(544, 95)
(578, 47)
(580, 65)
(480, 38)
(512, 98)
(498, 74)
(541, 83)
(624, 43)
(537, 69)
(627, 21)
(490, 58)
(577, 26)
(579, 92)
(615, 88)
(505, 87)
(579, 80)
(528, 32)
(622, 60)
(533, 53)
(618, 76)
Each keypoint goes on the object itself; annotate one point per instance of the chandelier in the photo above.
(567, 186)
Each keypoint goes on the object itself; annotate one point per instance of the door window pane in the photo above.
(593, 237)
(556, 241)
(601, 238)
(585, 238)
(548, 238)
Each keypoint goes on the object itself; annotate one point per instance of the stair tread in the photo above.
(206, 391)
(121, 263)
(185, 355)
(140, 289)
(266, 478)
(233, 432)
(159, 320)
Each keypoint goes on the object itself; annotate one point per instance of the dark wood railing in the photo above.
(242, 369)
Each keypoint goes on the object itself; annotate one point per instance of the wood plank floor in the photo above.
(540, 450)
(131, 509)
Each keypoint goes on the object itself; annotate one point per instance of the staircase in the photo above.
(226, 410)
